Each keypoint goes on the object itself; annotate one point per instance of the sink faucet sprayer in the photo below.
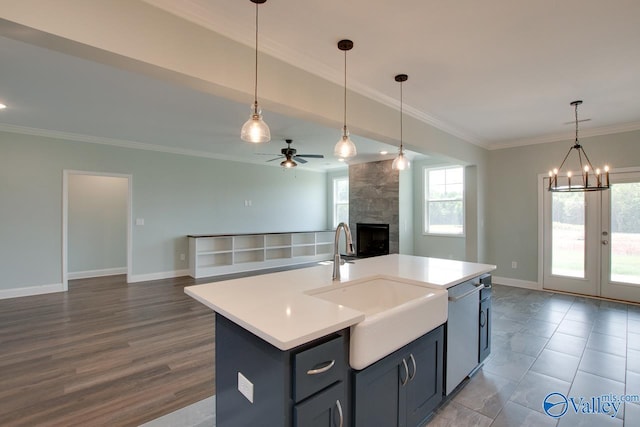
(336, 251)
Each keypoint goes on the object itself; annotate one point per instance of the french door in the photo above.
(591, 241)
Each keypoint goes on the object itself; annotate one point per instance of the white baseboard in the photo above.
(96, 273)
(517, 283)
(135, 278)
(31, 290)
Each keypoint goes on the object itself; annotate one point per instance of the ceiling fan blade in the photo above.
(311, 156)
(299, 159)
(277, 158)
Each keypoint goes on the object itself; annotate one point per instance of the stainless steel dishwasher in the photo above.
(462, 332)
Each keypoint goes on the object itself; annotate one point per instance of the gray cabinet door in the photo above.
(425, 364)
(325, 409)
(403, 388)
(377, 396)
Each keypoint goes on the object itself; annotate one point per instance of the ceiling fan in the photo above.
(290, 156)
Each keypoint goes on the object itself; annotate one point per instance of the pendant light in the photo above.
(255, 129)
(587, 178)
(345, 148)
(401, 162)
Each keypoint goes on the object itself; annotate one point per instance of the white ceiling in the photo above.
(494, 72)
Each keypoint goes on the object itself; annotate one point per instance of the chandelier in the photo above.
(586, 178)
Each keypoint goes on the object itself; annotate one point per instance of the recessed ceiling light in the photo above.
(340, 159)
(384, 153)
(2, 106)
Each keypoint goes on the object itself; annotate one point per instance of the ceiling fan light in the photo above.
(255, 129)
(345, 148)
(288, 163)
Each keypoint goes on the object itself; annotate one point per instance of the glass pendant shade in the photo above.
(400, 163)
(255, 129)
(345, 148)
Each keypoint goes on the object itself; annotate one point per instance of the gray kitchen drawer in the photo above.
(318, 367)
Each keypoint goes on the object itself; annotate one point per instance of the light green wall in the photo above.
(428, 245)
(176, 195)
(512, 194)
(406, 208)
(97, 222)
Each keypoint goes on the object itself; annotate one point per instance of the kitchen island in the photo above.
(273, 335)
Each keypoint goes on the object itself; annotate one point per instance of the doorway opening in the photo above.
(96, 229)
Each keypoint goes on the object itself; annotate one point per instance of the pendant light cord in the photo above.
(401, 117)
(345, 92)
(576, 110)
(255, 86)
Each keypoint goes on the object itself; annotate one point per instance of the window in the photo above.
(444, 201)
(340, 200)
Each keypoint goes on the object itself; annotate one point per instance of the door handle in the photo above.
(605, 242)
(406, 372)
(413, 361)
(466, 294)
(339, 407)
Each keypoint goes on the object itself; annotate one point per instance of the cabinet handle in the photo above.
(321, 370)
(466, 294)
(413, 361)
(406, 370)
(339, 406)
(483, 319)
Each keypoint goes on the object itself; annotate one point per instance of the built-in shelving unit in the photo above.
(213, 255)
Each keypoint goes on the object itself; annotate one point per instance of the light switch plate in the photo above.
(245, 387)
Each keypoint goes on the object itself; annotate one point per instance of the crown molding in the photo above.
(67, 136)
(193, 12)
(566, 136)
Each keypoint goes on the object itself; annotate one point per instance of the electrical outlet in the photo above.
(514, 264)
(182, 257)
(245, 387)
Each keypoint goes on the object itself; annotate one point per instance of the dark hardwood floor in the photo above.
(104, 353)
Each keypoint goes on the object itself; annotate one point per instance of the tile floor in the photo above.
(542, 343)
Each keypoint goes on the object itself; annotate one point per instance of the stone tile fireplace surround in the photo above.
(374, 198)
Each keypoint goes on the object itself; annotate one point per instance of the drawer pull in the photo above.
(339, 406)
(321, 370)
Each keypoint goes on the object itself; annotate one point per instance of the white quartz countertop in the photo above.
(275, 307)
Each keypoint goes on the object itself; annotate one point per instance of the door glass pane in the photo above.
(567, 234)
(625, 233)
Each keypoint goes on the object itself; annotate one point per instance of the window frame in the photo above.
(335, 203)
(426, 200)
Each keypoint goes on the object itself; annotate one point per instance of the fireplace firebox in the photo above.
(372, 240)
